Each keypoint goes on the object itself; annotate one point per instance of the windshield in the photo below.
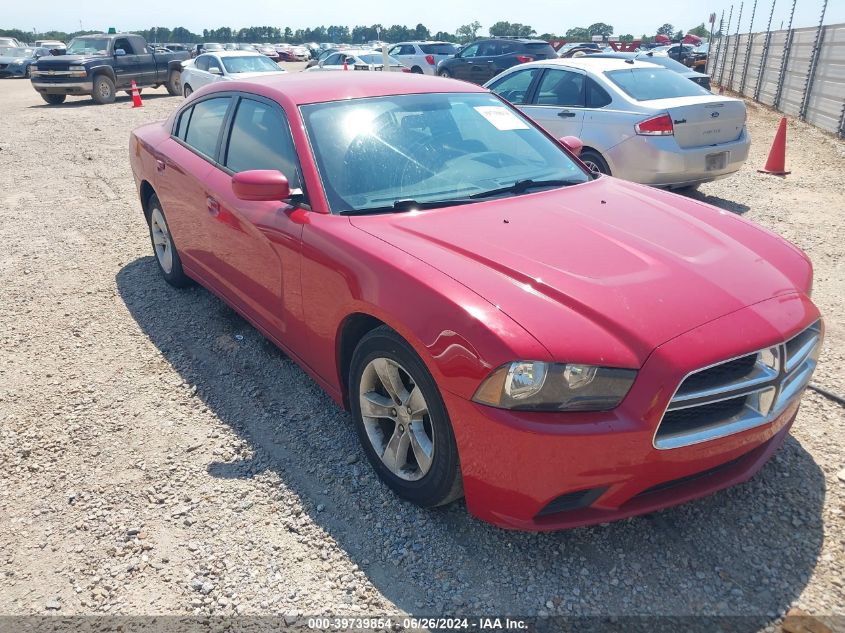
(16, 52)
(647, 84)
(374, 152)
(249, 64)
(88, 46)
(439, 49)
(212, 47)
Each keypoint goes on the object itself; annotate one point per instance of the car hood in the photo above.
(631, 265)
(68, 60)
(263, 73)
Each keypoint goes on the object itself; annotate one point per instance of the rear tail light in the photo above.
(430, 59)
(656, 126)
(524, 58)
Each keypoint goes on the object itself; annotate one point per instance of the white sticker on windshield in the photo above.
(501, 117)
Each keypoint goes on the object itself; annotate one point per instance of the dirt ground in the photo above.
(158, 456)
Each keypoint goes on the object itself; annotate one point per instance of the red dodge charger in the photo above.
(559, 347)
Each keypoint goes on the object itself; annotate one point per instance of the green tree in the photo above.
(700, 30)
(443, 36)
(577, 33)
(421, 32)
(626, 38)
(666, 29)
(468, 32)
(600, 28)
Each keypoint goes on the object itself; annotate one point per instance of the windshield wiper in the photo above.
(401, 206)
(521, 186)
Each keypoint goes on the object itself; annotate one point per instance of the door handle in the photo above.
(212, 205)
(565, 113)
(160, 165)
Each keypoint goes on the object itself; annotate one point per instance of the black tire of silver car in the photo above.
(444, 73)
(164, 248)
(103, 89)
(188, 90)
(53, 99)
(417, 70)
(594, 161)
(174, 81)
(435, 479)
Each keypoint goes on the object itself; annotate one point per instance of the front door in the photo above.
(257, 244)
(558, 102)
(127, 65)
(464, 61)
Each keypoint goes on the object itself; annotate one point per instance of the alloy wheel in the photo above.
(161, 241)
(396, 419)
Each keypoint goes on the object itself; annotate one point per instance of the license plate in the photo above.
(714, 162)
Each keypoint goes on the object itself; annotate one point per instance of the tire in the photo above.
(167, 257)
(594, 161)
(414, 417)
(188, 90)
(28, 73)
(688, 188)
(53, 99)
(445, 73)
(417, 70)
(174, 83)
(103, 90)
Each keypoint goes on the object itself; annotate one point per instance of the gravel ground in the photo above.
(160, 457)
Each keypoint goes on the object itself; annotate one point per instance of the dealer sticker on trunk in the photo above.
(501, 118)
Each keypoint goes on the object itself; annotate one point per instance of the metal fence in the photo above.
(800, 72)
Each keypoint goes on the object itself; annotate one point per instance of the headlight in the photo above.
(76, 69)
(539, 386)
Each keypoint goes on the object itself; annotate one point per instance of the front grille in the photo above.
(740, 393)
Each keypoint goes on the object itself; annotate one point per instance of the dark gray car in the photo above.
(646, 56)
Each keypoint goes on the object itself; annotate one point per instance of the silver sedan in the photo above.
(638, 121)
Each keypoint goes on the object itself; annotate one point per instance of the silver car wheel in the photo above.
(161, 241)
(396, 419)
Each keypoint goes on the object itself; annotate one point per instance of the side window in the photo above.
(408, 49)
(470, 51)
(182, 123)
(202, 62)
(561, 88)
(123, 43)
(515, 86)
(332, 60)
(489, 49)
(260, 139)
(213, 63)
(205, 125)
(597, 96)
(396, 50)
(508, 48)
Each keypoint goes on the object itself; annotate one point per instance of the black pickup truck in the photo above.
(100, 65)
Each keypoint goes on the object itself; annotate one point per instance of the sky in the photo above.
(545, 16)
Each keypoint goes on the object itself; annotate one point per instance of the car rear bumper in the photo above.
(660, 162)
(55, 87)
(549, 471)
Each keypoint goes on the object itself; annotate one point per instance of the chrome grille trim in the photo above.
(776, 376)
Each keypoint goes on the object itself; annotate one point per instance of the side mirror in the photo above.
(572, 143)
(214, 70)
(261, 185)
(119, 52)
(350, 60)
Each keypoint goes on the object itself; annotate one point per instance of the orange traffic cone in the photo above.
(136, 96)
(776, 164)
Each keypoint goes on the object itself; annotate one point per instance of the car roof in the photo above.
(586, 62)
(303, 88)
(233, 54)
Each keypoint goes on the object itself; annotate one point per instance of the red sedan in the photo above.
(559, 347)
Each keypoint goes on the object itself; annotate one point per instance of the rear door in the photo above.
(558, 101)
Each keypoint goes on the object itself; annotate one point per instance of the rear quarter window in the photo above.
(438, 49)
(648, 84)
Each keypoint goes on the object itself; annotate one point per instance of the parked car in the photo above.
(205, 47)
(176, 47)
(560, 347)
(678, 52)
(357, 60)
(18, 62)
(573, 45)
(661, 60)
(483, 60)
(52, 45)
(637, 120)
(226, 66)
(577, 51)
(10, 42)
(99, 65)
(269, 51)
(697, 59)
(321, 57)
(422, 57)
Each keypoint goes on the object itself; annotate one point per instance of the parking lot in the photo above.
(161, 457)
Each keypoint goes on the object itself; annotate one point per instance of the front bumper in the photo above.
(659, 160)
(57, 86)
(515, 464)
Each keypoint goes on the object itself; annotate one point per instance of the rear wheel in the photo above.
(174, 83)
(188, 90)
(167, 257)
(53, 99)
(103, 89)
(445, 73)
(592, 159)
(402, 422)
(417, 70)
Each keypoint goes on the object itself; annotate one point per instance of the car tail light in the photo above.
(524, 58)
(656, 126)
(430, 59)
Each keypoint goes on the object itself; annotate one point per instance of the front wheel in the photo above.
(167, 257)
(103, 89)
(594, 161)
(188, 90)
(402, 422)
(53, 99)
(27, 74)
(445, 73)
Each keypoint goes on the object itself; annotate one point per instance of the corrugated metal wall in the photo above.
(783, 87)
